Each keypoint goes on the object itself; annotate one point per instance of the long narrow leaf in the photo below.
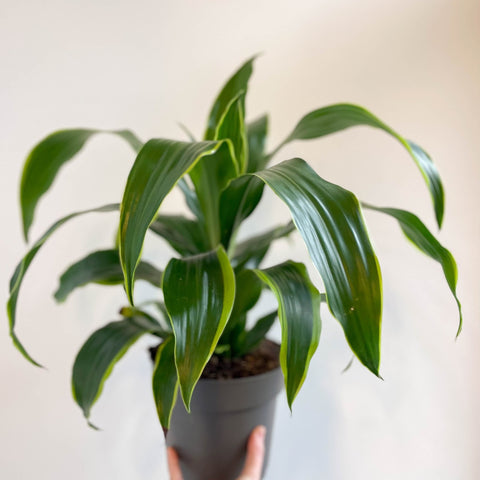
(199, 293)
(158, 167)
(102, 267)
(424, 240)
(232, 127)
(251, 252)
(236, 83)
(237, 202)
(22, 267)
(299, 313)
(257, 139)
(165, 382)
(257, 333)
(334, 118)
(183, 234)
(97, 357)
(46, 159)
(331, 224)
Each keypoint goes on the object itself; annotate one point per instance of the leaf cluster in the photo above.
(213, 281)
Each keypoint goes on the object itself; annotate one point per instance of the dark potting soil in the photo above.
(261, 360)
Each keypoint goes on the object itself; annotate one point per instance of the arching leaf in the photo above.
(299, 314)
(334, 118)
(97, 357)
(157, 169)
(331, 224)
(46, 159)
(102, 267)
(257, 139)
(22, 267)
(424, 240)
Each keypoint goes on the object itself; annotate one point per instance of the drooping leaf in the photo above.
(97, 357)
(232, 127)
(199, 293)
(331, 224)
(334, 118)
(237, 202)
(46, 159)
(257, 333)
(102, 267)
(236, 83)
(251, 252)
(22, 267)
(422, 238)
(256, 138)
(157, 168)
(183, 234)
(165, 382)
(299, 314)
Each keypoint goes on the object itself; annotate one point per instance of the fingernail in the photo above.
(261, 432)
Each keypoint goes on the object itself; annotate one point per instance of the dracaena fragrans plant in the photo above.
(212, 281)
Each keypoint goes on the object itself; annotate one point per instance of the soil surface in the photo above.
(261, 360)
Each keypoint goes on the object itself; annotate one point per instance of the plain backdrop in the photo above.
(147, 65)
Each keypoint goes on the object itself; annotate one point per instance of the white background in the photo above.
(147, 65)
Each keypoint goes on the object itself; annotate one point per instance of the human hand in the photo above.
(252, 469)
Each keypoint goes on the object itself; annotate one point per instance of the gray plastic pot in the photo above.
(211, 440)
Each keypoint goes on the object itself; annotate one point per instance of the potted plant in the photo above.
(213, 281)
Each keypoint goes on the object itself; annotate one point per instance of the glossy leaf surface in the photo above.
(102, 267)
(165, 381)
(331, 224)
(257, 139)
(424, 240)
(97, 357)
(46, 159)
(22, 267)
(299, 314)
(183, 234)
(237, 83)
(199, 293)
(232, 127)
(157, 168)
(334, 118)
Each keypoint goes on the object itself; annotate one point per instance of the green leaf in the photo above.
(145, 320)
(183, 234)
(331, 224)
(191, 198)
(248, 289)
(199, 293)
(157, 168)
(299, 314)
(209, 179)
(102, 267)
(232, 127)
(165, 382)
(252, 251)
(255, 335)
(423, 239)
(22, 267)
(256, 138)
(334, 118)
(97, 357)
(236, 84)
(237, 202)
(46, 159)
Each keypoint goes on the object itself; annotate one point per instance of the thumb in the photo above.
(255, 455)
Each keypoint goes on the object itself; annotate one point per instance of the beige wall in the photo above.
(147, 65)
